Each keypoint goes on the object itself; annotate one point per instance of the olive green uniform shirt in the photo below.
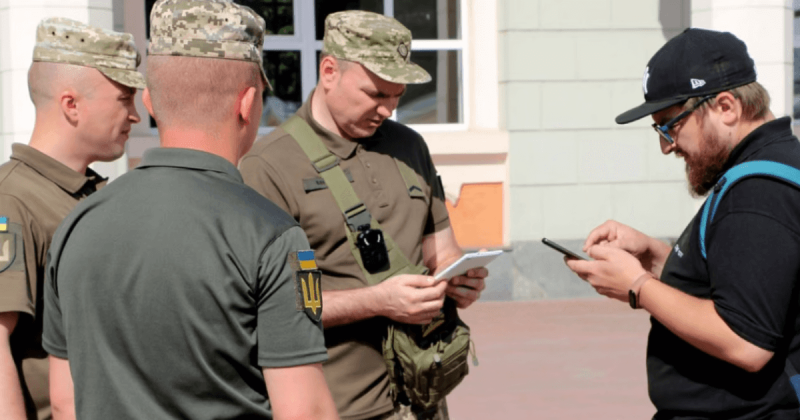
(171, 289)
(36, 193)
(278, 168)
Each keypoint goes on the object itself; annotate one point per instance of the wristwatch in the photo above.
(633, 293)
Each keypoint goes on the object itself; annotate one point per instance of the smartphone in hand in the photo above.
(561, 249)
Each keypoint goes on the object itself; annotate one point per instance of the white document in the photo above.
(468, 262)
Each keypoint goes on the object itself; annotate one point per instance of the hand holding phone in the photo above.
(561, 249)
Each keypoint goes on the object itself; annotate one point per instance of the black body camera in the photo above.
(372, 247)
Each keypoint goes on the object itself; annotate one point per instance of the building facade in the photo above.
(519, 117)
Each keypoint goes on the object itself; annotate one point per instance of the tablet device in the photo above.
(468, 262)
(561, 249)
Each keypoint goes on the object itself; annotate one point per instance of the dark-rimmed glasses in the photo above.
(663, 130)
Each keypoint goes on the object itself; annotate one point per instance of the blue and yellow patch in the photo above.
(3, 224)
(306, 259)
(308, 284)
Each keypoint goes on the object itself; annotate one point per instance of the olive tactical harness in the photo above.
(763, 168)
(424, 363)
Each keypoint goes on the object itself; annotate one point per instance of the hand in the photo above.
(465, 290)
(650, 253)
(411, 299)
(611, 273)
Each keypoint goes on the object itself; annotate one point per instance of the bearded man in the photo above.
(724, 299)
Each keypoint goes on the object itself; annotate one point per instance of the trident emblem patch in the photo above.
(308, 284)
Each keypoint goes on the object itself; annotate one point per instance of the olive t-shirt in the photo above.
(277, 168)
(169, 290)
(36, 193)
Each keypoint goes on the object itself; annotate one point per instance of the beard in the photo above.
(704, 168)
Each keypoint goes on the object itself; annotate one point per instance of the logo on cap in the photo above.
(696, 83)
(402, 49)
(645, 79)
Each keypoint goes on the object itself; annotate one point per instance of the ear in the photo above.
(329, 72)
(148, 103)
(68, 101)
(246, 104)
(728, 107)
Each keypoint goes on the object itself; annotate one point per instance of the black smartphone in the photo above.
(561, 249)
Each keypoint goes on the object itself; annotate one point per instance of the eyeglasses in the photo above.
(663, 130)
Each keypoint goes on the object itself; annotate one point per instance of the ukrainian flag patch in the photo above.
(308, 284)
(306, 260)
(3, 224)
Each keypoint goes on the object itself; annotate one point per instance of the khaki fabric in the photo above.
(277, 167)
(67, 41)
(404, 412)
(36, 193)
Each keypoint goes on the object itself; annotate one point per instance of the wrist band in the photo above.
(633, 293)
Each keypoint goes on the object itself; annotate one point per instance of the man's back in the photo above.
(172, 289)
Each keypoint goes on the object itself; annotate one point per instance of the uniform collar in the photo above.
(188, 159)
(55, 171)
(338, 145)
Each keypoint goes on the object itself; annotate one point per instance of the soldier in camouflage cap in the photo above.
(212, 29)
(379, 43)
(82, 83)
(198, 314)
(363, 72)
(62, 40)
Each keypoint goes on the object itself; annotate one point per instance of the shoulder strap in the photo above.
(355, 212)
(732, 176)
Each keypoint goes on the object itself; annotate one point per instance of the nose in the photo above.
(666, 147)
(387, 107)
(133, 116)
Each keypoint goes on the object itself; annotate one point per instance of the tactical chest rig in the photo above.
(424, 363)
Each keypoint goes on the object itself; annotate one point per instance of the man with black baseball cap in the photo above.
(723, 300)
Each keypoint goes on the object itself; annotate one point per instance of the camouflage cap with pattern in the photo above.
(210, 29)
(379, 43)
(66, 41)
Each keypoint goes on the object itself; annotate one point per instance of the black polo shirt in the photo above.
(751, 275)
(171, 288)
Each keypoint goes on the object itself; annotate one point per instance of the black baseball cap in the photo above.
(697, 62)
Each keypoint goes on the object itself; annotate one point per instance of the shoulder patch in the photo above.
(308, 284)
(11, 247)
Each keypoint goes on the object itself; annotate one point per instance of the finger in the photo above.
(604, 232)
(432, 293)
(480, 272)
(419, 281)
(463, 293)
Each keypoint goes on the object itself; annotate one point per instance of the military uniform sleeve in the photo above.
(260, 176)
(287, 335)
(438, 218)
(17, 267)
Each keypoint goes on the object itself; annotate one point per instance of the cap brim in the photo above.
(407, 74)
(130, 78)
(646, 109)
(267, 84)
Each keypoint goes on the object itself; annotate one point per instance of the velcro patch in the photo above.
(11, 251)
(308, 284)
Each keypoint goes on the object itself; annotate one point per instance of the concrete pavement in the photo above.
(555, 359)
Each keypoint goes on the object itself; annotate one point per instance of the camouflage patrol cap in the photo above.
(66, 41)
(210, 29)
(379, 43)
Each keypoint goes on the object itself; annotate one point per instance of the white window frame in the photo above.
(304, 40)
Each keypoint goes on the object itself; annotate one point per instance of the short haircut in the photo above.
(46, 80)
(197, 92)
(754, 98)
